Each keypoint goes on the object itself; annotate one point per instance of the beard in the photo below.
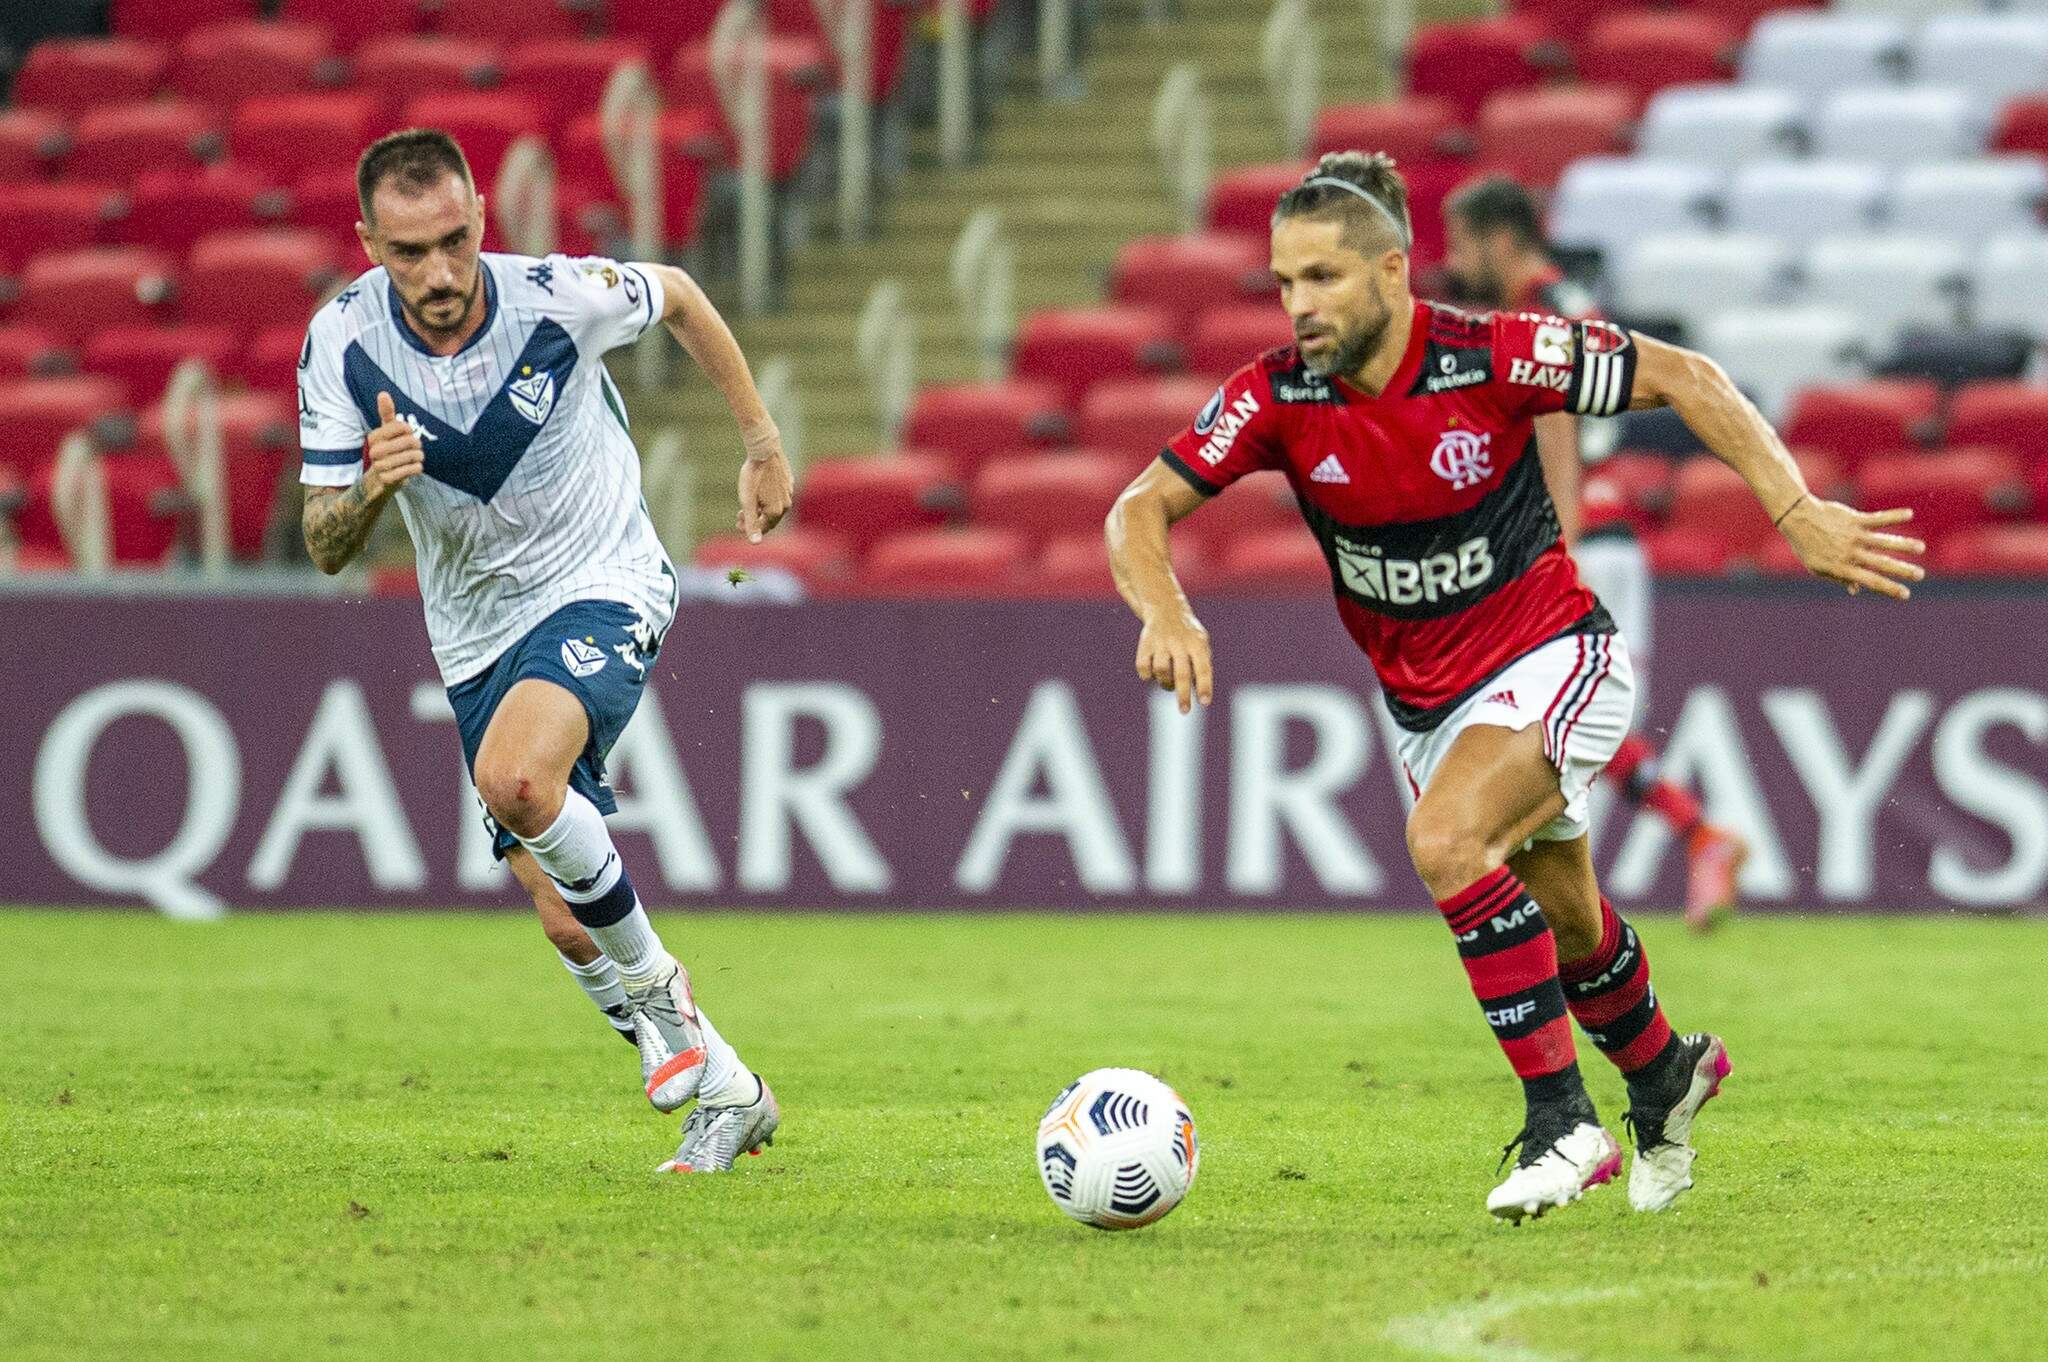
(413, 312)
(1353, 347)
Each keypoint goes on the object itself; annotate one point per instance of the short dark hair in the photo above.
(416, 159)
(1381, 212)
(1498, 203)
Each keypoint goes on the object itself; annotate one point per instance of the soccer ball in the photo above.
(1117, 1150)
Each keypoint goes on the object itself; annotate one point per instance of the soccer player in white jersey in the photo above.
(470, 388)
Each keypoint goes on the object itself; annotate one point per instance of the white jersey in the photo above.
(531, 494)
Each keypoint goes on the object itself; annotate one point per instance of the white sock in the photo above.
(599, 981)
(577, 853)
(727, 1082)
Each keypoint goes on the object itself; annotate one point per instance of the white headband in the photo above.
(1400, 231)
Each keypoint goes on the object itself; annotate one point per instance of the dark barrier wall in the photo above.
(195, 754)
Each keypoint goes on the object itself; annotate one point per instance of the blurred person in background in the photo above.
(1497, 258)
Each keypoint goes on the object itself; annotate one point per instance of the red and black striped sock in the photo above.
(1511, 958)
(1609, 992)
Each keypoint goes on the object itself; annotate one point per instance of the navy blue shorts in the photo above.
(598, 651)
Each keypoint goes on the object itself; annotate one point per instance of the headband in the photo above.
(1319, 181)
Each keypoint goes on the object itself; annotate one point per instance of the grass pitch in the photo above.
(325, 1136)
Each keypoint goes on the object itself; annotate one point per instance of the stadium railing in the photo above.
(739, 65)
(956, 84)
(886, 339)
(853, 38)
(192, 437)
(630, 116)
(524, 197)
(1180, 133)
(1291, 56)
(984, 276)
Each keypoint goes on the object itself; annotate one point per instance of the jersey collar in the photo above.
(412, 337)
(1404, 373)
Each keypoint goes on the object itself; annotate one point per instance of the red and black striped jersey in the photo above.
(1428, 499)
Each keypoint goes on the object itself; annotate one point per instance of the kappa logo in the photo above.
(1462, 458)
(1329, 470)
(418, 428)
(582, 656)
(533, 394)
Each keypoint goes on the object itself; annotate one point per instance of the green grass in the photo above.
(333, 1136)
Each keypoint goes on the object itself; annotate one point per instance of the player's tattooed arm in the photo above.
(766, 485)
(337, 521)
(1173, 647)
(1838, 543)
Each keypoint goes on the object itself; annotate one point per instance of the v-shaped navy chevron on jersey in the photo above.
(476, 461)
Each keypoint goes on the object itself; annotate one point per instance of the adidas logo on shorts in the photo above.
(1501, 697)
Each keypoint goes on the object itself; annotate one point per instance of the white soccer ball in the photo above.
(1117, 1149)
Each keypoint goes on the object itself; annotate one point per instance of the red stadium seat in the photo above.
(247, 280)
(31, 140)
(144, 502)
(1532, 135)
(258, 440)
(35, 218)
(354, 22)
(567, 77)
(967, 422)
(142, 358)
(692, 147)
(76, 293)
(1994, 551)
(796, 71)
(1075, 565)
(1429, 184)
(399, 69)
(117, 142)
(868, 498)
(1648, 51)
(662, 24)
(946, 563)
(1228, 338)
(270, 364)
(486, 125)
(31, 352)
(325, 201)
(1134, 418)
(1285, 561)
(1640, 484)
(1741, 15)
(1710, 497)
(493, 20)
(888, 37)
(1184, 276)
(42, 411)
(1688, 551)
(223, 64)
(172, 209)
(820, 559)
(70, 75)
(1855, 420)
(2012, 416)
(1241, 202)
(167, 21)
(1410, 129)
(2023, 126)
(1038, 496)
(284, 134)
(1075, 348)
(1564, 20)
(1466, 61)
(1955, 490)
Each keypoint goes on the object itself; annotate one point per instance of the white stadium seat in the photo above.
(1721, 125)
(1801, 200)
(1888, 281)
(1773, 352)
(1604, 202)
(1994, 56)
(1970, 201)
(1898, 125)
(1814, 52)
(1691, 277)
(1911, 11)
(2009, 285)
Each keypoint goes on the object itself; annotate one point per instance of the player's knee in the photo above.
(1448, 855)
(522, 801)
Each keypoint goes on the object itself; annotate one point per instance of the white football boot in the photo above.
(670, 1039)
(1663, 1134)
(714, 1136)
(1560, 1162)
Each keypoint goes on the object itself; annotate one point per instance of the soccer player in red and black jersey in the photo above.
(1404, 428)
(1498, 258)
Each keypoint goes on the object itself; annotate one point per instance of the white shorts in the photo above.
(1580, 688)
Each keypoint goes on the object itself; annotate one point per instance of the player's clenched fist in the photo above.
(766, 485)
(1173, 654)
(395, 454)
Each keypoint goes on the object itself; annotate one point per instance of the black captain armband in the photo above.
(1603, 370)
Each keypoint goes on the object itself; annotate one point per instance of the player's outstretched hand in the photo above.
(1845, 545)
(766, 487)
(1173, 654)
(396, 455)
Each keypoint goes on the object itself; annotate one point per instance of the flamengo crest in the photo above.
(1462, 458)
